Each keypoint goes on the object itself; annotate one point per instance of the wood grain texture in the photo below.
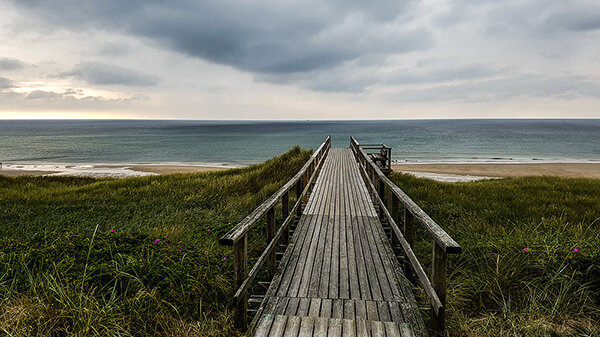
(339, 275)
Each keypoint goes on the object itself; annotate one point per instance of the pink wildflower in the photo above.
(576, 250)
(112, 230)
(169, 247)
(525, 249)
(209, 229)
(224, 258)
(179, 249)
(165, 236)
(156, 241)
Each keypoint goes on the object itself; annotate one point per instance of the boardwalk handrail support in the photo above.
(382, 156)
(238, 235)
(443, 244)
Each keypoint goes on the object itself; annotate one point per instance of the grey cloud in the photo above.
(10, 63)
(5, 83)
(354, 78)
(256, 36)
(519, 85)
(44, 100)
(39, 94)
(107, 74)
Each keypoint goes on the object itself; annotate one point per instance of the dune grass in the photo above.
(531, 261)
(126, 257)
(80, 256)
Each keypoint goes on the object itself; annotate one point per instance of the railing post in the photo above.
(381, 192)
(438, 281)
(305, 178)
(270, 236)
(298, 196)
(409, 227)
(285, 212)
(240, 271)
(395, 212)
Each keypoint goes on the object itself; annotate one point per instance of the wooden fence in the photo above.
(443, 244)
(238, 235)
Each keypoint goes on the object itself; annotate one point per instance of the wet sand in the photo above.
(571, 170)
(171, 169)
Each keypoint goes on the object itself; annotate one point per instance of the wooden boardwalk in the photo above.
(339, 275)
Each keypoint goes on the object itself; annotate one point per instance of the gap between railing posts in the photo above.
(238, 235)
(435, 285)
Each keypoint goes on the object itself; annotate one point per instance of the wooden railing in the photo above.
(382, 156)
(443, 244)
(238, 235)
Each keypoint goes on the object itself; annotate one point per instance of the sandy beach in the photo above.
(99, 171)
(572, 170)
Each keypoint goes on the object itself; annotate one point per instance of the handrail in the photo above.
(237, 232)
(435, 285)
(436, 303)
(439, 235)
(263, 257)
(238, 235)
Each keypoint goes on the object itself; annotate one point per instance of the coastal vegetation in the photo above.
(531, 253)
(119, 257)
(140, 256)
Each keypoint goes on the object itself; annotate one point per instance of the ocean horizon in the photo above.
(244, 142)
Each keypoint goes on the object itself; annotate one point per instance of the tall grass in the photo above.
(519, 274)
(126, 257)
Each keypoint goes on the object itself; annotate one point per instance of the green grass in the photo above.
(496, 288)
(79, 256)
(63, 272)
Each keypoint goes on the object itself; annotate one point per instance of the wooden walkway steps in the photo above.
(339, 275)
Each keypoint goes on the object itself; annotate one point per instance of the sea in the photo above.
(239, 143)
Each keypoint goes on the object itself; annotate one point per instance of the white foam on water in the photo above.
(81, 170)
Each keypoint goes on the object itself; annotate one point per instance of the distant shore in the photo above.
(498, 170)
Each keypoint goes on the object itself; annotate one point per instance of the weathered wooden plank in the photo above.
(278, 327)
(306, 326)
(326, 308)
(264, 326)
(377, 329)
(338, 308)
(335, 328)
(372, 313)
(348, 328)
(315, 307)
(292, 307)
(292, 327)
(321, 325)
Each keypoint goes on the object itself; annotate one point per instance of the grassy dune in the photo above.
(519, 274)
(140, 257)
(118, 257)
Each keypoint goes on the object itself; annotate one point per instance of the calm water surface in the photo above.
(245, 142)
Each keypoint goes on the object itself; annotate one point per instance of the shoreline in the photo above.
(441, 171)
(476, 171)
(123, 170)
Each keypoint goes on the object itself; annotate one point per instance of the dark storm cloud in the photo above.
(5, 83)
(354, 78)
(107, 74)
(10, 63)
(256, 36)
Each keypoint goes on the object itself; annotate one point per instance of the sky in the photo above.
(299, 59)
